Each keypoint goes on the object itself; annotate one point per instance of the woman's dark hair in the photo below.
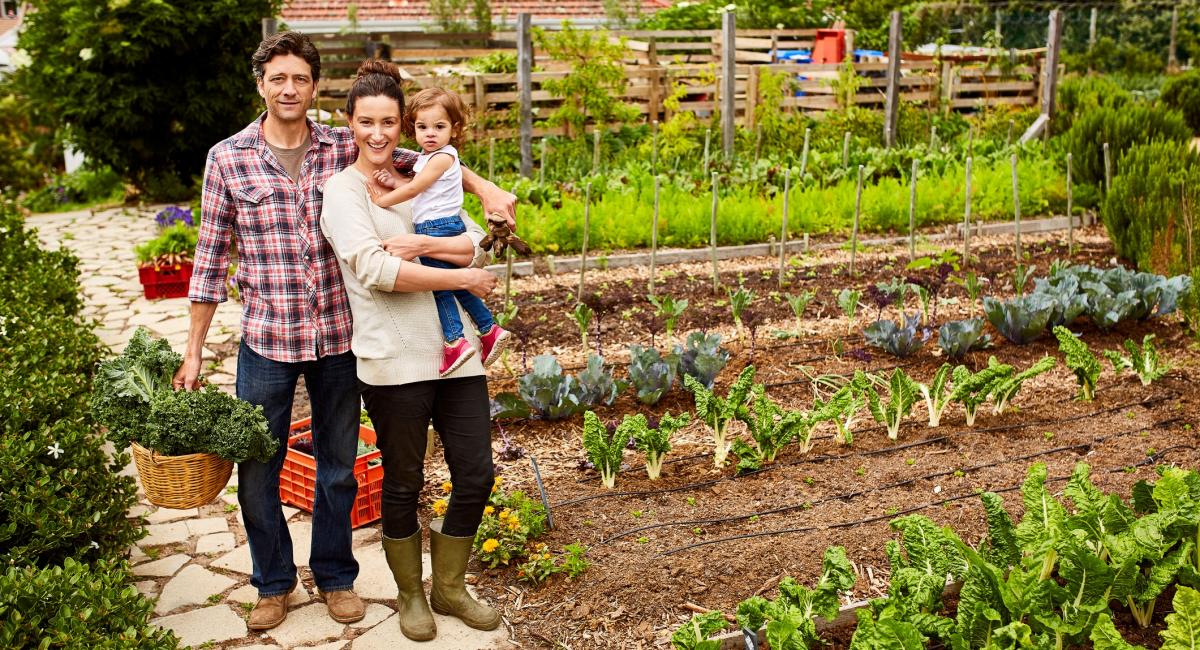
(282, 44)
(375, 77)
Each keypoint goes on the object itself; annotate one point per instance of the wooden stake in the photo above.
(967, 218)
(654, 236)
(1107, 170)
(707, 142)
(846, 150)
(1070, 212)
(912, 211)
(854, 230)
(587, 205)
(492, 159)
(783, 234)
(542, 167)
(1008, 142)
(596, 150)
(712, 235)
(1016, 207)
(525, 90)
(891, 106)
(654, 144)
(728, 81)
(508, 278)
(933, 141)
(804, 155)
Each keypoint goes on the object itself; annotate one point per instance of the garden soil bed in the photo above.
(703, 537)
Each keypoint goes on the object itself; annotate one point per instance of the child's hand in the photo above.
(385, 178)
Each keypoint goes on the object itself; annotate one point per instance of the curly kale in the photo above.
(125, 384)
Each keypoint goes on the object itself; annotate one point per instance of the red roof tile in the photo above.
(418, 10)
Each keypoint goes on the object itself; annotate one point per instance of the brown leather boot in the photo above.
(404, 559)
(269, 611)
(449, 595)
(344, 606)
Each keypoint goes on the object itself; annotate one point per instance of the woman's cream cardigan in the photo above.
(397, 336)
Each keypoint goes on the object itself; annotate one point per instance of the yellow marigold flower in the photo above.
(504, 514)
(498, 480)
(488, 510)
(514, 523)
(545, 556)
(439, 507)
(447, 486)
(490, 545)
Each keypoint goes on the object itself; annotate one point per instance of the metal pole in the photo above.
(712, 235)
(587, 204)
(783, 233)
(654, 236)
(728, 81)
(854, 229)
(967, 218)
(525, 89)
(912, 211)
(1016, 206)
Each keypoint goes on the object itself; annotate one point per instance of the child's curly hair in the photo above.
(455, 109)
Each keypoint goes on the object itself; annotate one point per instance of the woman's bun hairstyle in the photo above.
(375, 77)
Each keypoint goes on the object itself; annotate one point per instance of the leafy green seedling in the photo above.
(716, 411)
(1080, 360)
(902, 394)
(738, 302)
(654, 441)
(669, 309)
(603, 448)
(582, 314)
(799, 303)
(1142, 360)
(847, 300)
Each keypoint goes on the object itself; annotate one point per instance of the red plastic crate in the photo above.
(299, 475)
(166, 281)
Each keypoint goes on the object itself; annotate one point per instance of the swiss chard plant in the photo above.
(771, 428)
(789, 619)
(702, 357)
(937, 394)
(1142, 360)
(653, 438)
(651, 374)
(972, 389)
(843, 406)
(605, 447)
(694, 634)
(1020, 320)
(897, 340)
(902, 394)
(1004, 390)
(958, 337)
(716, 412)
(1080, 360)
(669, 309)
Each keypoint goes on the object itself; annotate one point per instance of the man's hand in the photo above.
(407, 247)
(499, 205)
(479, 282)
(188, 375)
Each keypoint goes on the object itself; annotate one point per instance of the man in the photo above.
(264, 185)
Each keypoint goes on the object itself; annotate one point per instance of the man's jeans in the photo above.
(333, 392)
(452, 328)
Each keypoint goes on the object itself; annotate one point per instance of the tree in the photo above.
(144, 86)
(596, 81)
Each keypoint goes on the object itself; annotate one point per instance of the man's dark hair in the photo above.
(285, 43)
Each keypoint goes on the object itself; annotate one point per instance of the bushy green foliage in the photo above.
(1182, 93)
(145, 87)
(72, 191)
(592, 88)
(1150, 212)
(27, 147)
(172, 245)
(1078, 94)
(60, 493)
(1122, 129)
(77, 606)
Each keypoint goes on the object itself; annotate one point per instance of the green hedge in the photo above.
(1182, 93)
(76, 606)
(1121, 128)
(1145, 210)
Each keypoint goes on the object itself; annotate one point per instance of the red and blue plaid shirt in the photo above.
(294, 303)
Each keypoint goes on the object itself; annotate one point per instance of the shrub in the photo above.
(60, 493)
(1121, 129)
(76, 606)
(1182, 93)
(1080, 94)
(1150, 211)
(79, 188)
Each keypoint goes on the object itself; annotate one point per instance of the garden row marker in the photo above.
(542, 167)
(787, 185)
(728, 80)
(525, 89)
(712, 234)
(846, 150)
(492, 159)
(654, 235)
(971, 140)
(1016, 207)
(967, 218)
(707, 141)
(1070, 213)
(587, 205)
(1107, 169)
(854, 230)
(912, 212)
(891, 100)
(595, 149)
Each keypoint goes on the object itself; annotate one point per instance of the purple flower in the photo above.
(172, 215)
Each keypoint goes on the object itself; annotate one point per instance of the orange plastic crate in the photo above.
(299, 476)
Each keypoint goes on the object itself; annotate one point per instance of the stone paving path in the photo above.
(196, 562)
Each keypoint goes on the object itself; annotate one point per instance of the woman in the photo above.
(398, 342)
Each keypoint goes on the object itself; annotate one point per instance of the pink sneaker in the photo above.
(455, 354)
(493, 343)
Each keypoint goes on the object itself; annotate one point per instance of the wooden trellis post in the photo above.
(728, 81)
(892, 100)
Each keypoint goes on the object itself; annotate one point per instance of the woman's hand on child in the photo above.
(479, 282)
(407, 247)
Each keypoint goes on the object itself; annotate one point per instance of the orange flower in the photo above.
(488, 510)
(490, 545)
(447, 486)
(439, 507)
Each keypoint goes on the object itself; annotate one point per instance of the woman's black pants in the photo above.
(401, 415)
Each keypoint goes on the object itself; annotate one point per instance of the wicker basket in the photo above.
(181, 481)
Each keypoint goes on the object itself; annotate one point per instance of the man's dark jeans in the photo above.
(333, 392)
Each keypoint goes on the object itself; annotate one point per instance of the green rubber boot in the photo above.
(449, 596)
(404, 559)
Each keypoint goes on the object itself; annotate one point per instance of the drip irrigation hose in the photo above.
(889, 486)
(866, 520)
(814, 459)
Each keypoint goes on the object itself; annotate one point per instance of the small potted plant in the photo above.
(184, 442)
(165, 262)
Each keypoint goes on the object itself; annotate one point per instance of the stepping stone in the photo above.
(164, 515)
(301, 541)
(217, 623)
(237, 560)
(207, 526)
(145, 318)
(336, 645)
(375, 580)
(216, 543)
(452, 634)
(231, 499)
(243, 594)
(138, 510)
(165, 534)
(136, 555)
(147, 588)
(191, 586)
(222, 379)
(375, 615)
(163, 568)
(307, 625)
(365, 535)
(229, 365)
(259, 647)
(289, 512)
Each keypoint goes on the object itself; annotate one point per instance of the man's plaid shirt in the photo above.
(294, 303)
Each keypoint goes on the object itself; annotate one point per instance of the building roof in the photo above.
(298, 13)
